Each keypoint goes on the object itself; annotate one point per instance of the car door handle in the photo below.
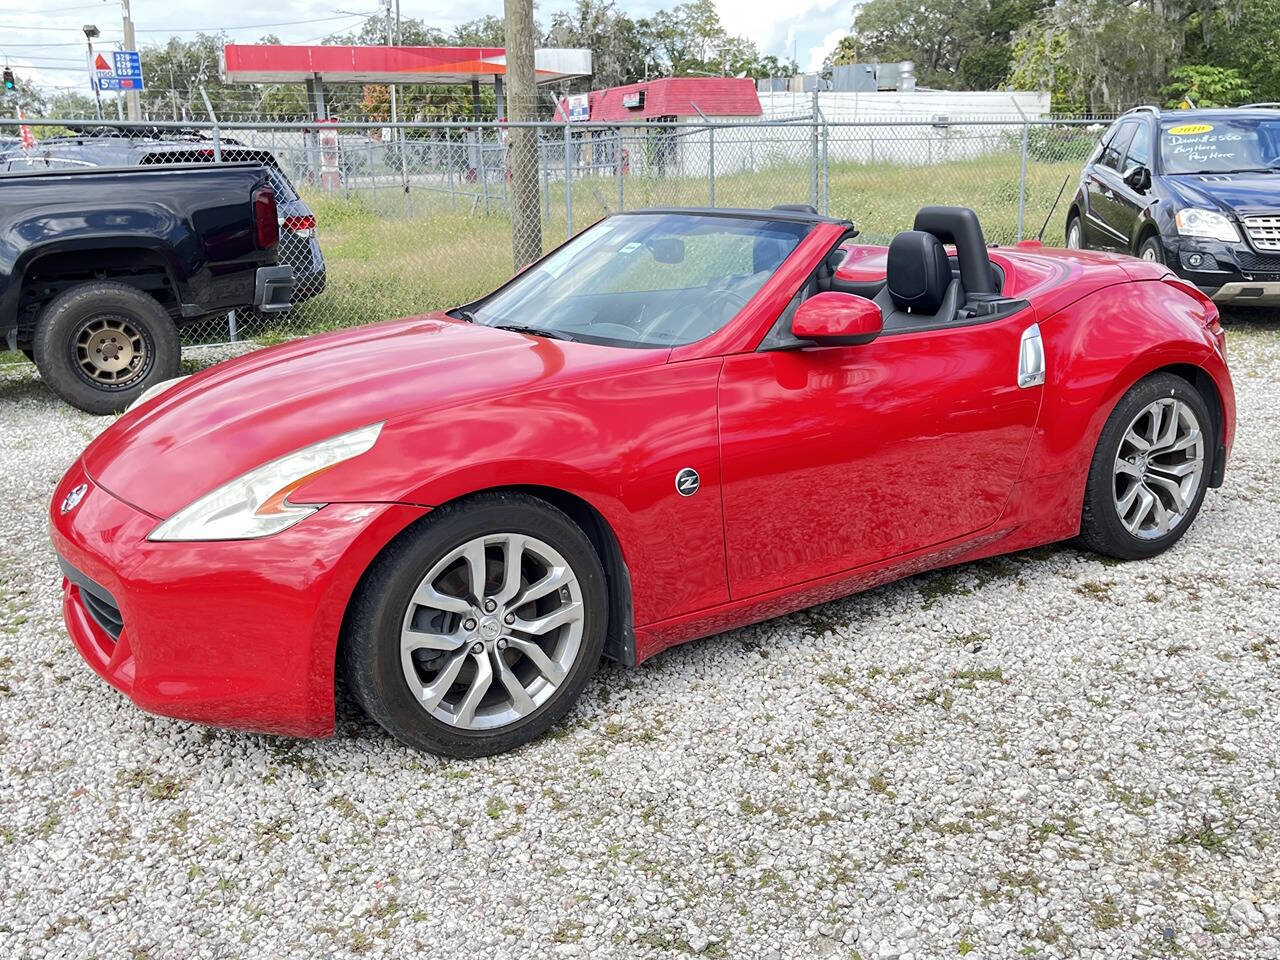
(1031, 357)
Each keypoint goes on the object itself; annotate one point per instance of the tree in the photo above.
(690, 40)
(522, 142)
(1112, 54)
(955, 44)
(617, 50)
(1206, 86)
(1246, 39)
(27, 96)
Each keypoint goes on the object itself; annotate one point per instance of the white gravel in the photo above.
(1044, 755)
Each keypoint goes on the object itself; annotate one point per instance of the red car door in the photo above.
(836, 457)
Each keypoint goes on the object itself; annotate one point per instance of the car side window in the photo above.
(1101, 145)
(1139, 153)
(1115, 149)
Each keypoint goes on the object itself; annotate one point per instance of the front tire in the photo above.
(1151, 250)
(1150, 470)
(1075, 233)
(99, 345)
(477, 629)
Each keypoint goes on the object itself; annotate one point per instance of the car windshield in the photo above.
(1214, 145)
(645, 280)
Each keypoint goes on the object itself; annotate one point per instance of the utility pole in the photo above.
(522, 142)
(130, 43)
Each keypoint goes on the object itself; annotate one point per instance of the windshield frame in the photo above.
(802, 224)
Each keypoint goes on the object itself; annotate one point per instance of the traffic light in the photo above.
(9, 83)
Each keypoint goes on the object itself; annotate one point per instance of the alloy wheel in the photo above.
(1158, 468)
(1073, 235)
(109, 350)
(492, 631)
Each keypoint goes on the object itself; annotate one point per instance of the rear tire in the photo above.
(466, 672)
(99, 345)
(1150, 470)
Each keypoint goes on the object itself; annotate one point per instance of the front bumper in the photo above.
(1228, 272)
(236, 633)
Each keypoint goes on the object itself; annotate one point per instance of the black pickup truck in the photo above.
(100, 267)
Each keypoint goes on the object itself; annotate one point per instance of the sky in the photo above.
(50, 49)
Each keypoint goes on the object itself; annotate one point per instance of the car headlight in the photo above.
(256, 504)
(154, 391)
(1194, 222)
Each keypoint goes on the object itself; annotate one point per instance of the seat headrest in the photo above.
(917, 272)
(768, 252)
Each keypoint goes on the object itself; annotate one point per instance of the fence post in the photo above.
(711, 162)
(484, 174)
(568, 186)
(1022, 179)
(217, 139)
(448, 166)
(617, 160)
(544, 163)
(813, 151)
(826, 170)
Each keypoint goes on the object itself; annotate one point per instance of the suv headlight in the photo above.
(1194, 222)
(256, 504)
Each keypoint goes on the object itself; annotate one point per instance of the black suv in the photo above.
(148, 146)
(1198, 190)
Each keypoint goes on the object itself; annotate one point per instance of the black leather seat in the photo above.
(919, 289)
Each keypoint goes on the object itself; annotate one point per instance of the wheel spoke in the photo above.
(428, 596)
(1131, 437)
(1128, 469)
(568, 613)
(511, 576)
(556, 578)
(1146, 499)
(520, 698)
(433, 692)
(1164, 518)
(538, 657)
(1184, 469)
(411, 639)
(475, 693)
(1173, 488)
(1168, 431)
(1185, 442)
(1125, 502)
(476, 568)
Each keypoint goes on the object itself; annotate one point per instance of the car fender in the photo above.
(1095, 350)
(616, 443)
(27, 240)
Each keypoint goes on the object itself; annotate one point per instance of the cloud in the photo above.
(819, 53)
(778, 28)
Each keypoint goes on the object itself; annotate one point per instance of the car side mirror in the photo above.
(837, 319)
(1138, 177)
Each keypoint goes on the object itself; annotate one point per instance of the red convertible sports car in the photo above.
(678, 422)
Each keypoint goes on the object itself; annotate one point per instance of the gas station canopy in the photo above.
(275, 63)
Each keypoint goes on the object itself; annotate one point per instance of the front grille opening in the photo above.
(105, 614)
(96, 600)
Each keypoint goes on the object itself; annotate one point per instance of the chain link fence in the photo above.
(382, 221)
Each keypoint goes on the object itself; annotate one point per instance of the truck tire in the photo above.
(99, 345)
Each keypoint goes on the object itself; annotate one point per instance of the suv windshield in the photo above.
(1220, 146)
(645, 280)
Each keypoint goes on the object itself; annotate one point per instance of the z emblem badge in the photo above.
(687, 482)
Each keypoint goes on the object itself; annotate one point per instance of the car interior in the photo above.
(924, 288)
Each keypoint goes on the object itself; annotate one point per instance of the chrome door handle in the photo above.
(1031, 357)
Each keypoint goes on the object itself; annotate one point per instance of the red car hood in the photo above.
(237, 415)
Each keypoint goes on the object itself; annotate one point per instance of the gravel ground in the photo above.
(1044, 755)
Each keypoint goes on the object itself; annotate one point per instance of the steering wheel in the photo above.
(719, 306)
